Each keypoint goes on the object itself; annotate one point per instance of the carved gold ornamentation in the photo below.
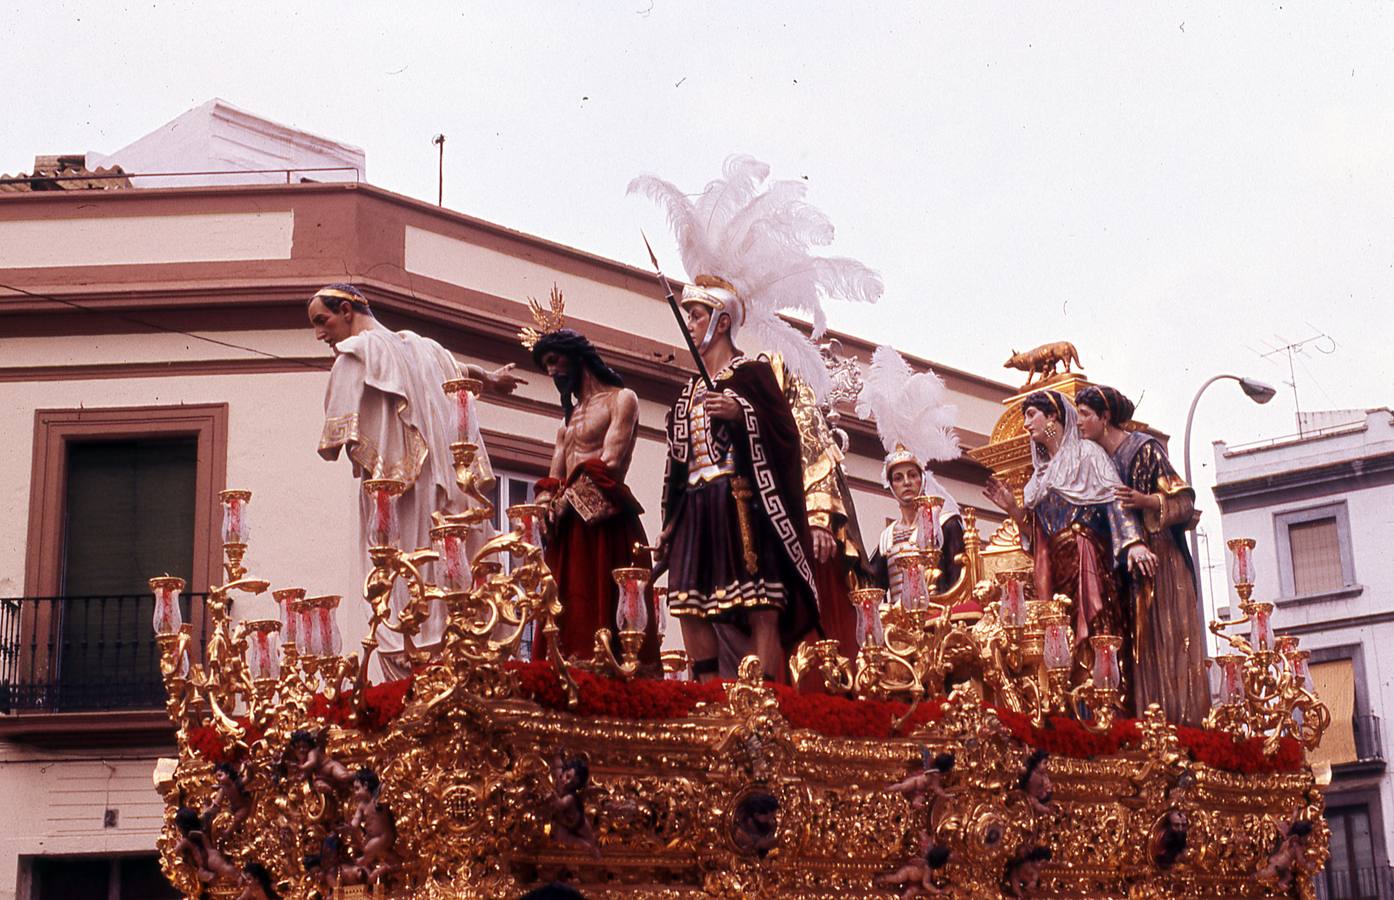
(732, 800)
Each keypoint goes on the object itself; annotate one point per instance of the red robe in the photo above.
(583, 554)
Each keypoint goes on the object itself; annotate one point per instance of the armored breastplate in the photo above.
(708, 461)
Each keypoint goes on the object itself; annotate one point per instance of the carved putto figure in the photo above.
(1287, 856)
(309, 756)
(1035, 783)
(231, 794)
(756, 826)
(330, 869)
(918, 873)
(195, 846)
(377, 825)
(256, 883)
(570, 826)
(1024, 872)
(927, 785)
(1169, 838)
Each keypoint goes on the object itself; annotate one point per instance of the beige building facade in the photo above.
(171, 321)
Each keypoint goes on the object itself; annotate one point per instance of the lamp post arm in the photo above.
(1190, 416)
(1186, 466)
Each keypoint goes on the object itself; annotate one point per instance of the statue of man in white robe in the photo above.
(386, 407)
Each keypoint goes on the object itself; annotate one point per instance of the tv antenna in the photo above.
(1320, 341)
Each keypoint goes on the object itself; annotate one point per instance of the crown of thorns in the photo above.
(546, 320)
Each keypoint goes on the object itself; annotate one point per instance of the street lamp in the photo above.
(1256, 391)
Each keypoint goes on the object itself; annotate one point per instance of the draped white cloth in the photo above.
(1080, 471)
(386, 408)
(933, 487)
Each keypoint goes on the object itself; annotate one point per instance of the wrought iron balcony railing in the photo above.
(1367, 883)
(71, 654)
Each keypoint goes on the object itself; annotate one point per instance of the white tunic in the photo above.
(386, 407)
(897, 539)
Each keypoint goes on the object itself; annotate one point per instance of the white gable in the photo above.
(219, 137)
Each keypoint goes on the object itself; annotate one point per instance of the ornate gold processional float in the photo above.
(486, 776)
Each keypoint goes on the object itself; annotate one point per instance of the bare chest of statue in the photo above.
(584, 436)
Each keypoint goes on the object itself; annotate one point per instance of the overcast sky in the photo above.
(1174, 188)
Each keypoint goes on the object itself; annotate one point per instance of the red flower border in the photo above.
(828, 715)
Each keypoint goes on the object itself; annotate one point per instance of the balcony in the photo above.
(1370, 883)
(1368, 747)
(84, 656)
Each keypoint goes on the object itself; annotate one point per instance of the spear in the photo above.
(677, 314)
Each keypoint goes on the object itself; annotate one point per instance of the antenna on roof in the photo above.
(1325, 343)
(439, 141)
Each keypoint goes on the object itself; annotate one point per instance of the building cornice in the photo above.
(511, 241)
(1306, 482)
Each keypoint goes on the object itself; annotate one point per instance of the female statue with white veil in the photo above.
(1169, 636)
(1079, 535)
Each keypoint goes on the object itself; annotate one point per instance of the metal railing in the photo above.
(1371, 883)
(71, 654)
(116, 173)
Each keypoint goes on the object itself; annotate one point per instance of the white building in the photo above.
(1321, 507)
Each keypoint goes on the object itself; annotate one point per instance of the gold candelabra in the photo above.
(984, 631)
(1265, 688)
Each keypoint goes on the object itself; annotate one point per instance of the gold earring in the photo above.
(1050, 430)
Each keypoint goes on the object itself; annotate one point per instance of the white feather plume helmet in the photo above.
(756, 234)
(911, 409)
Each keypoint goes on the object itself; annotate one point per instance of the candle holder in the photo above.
(914, 583)
(1231, 678)
(867, 602)
(1261, 616)
(175, 665)
(928, 532)
(1241, 568)
(288, 611)
(464, 450)
(168, 618)
(1057, 639)
(463, 393)
(930, 571)
(823, 657)
(660, 612)
(451, 543)
(1299, 663)
(1032, 637)
(1101, 696)
(263, 651)
(321, 634)
(525, 519)
(631, 617)
(384, 528)
(235, 530)
(1013, 608)
(676, 665)
(1057, 653)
